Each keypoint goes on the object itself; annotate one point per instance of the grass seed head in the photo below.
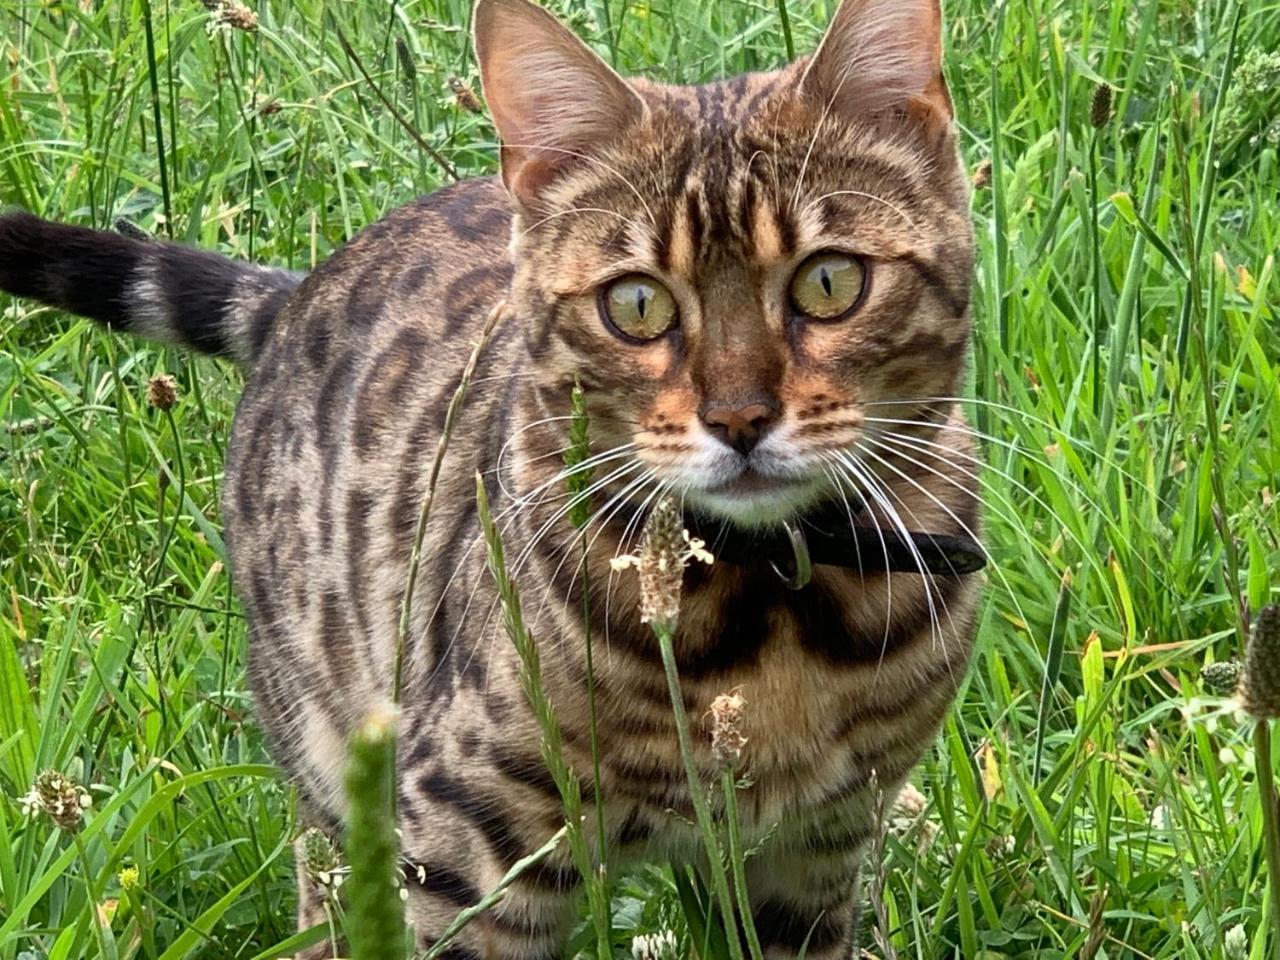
(654, 946)
(665, 550)
(464, 96)
(162, 391)
(59, 797)
(981, 178)
(403, 54)
(727, 740)
(129, 878)
(230, 15)
(1260, 686)
(1235, 944)
(320, 858)
(1100, 107)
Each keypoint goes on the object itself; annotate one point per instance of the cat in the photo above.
(762, 286)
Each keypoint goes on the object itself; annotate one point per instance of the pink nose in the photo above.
(740, 427)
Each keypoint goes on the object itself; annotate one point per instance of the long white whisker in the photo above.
(858, 485)
(868, 196)
(878, 490)
(927, 447)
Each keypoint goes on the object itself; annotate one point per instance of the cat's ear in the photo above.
(552, 99)
(880, 57)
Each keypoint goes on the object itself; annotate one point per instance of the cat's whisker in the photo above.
(1023, 451)
(603, 514)
(515, 511)
(944, 454)
(631, 221)
(867, 196)
(969, 532)
(562, 476)
(624, 545)
(882, 492)
(859, 489)
(1029, 455)
(596, 162)
(641, 510)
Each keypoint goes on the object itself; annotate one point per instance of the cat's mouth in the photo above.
(753, 498)
(751, 482)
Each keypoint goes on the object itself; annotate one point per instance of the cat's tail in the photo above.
(161, 291)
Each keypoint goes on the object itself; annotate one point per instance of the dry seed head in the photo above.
(665, 550)
(1100, 108)
(727, 740)
(1260, 686)
(230, 14)
(59, 797)
(162, 391)
(464, 96)
(981, 178)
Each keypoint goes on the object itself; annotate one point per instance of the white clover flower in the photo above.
(654, 946)
(1235, 945)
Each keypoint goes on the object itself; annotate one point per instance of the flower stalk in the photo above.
(375, 918)
(1260, 696)
(665, 550)
(578, 480)
(567, 783)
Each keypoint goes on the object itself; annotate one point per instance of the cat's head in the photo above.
(739, 273)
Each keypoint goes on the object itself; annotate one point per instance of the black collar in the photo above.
(831, 536)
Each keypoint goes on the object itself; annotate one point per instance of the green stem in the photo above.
(429, 495)
(602, 836)
(1270, 821)
(787, 41)
(567, 783)
(701, 812)
(737, 860)
(95, 901)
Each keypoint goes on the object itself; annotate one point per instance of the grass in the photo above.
(1150, 475)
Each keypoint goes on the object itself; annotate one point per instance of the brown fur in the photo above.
(720, 192)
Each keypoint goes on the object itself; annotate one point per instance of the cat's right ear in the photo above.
(552, 99)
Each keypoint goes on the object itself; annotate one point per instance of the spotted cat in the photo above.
(762, 285)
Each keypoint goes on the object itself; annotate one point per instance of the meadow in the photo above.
(1090, 796)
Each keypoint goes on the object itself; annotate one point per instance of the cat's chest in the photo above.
(822, 697)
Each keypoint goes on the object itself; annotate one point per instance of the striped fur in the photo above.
(161, 291)
(720, 191)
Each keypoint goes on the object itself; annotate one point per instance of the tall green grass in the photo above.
(1135, 829)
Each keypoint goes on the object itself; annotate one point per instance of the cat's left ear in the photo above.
(554, 102)
(882, 57)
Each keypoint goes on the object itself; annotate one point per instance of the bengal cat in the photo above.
(754, 280)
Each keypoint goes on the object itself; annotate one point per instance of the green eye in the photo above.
(828, 285)
(639, 307)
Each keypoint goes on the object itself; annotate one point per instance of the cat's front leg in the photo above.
(805, 898)
(532, 922)
(464, 827)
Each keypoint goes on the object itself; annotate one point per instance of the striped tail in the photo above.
(161, 291)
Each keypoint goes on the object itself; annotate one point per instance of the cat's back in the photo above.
(426, 267)
(334, 430)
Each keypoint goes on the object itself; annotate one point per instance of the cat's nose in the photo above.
(739, 427)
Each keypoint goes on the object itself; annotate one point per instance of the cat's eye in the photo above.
(639, 307)
(828, 285)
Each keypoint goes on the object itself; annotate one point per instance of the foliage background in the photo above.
(1125, 366)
